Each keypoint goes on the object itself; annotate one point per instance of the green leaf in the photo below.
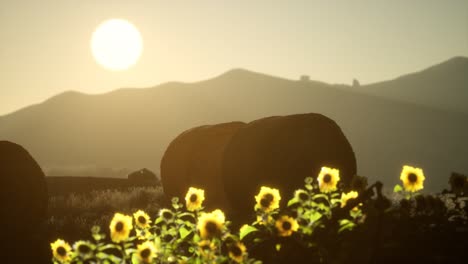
(346, 227)
(320, 195)
(335, 201)
(314, 216)
(186, 214)
(158, 220)
(245, 230)
(183, 232)
(346, 224)
(109, 246)
(130, 251)
(293, 201)
(135, 259)
(397, 188)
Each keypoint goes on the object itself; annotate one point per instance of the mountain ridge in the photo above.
(236, 73)
(131, 128)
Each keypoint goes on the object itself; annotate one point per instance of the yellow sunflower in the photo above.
(146, 252)
(267, 199)
(412, 178)
(301, 195)
(328, 179)
(120, 227)
(206, 248)
(237, 252)
(286, 225)
(166, 214)
(61, 250)
(210, 224)
(194, 198)
(84, 248)
(346, 196)
(142, 219)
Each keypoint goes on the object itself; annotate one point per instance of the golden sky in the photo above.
(45, 45)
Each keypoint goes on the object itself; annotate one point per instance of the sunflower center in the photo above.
(303, 196)
(61, 251)
(327, 178)
(286, 225)
(193, 198)
(266, 200)
(145, 253)
(412, 178)
(84, 249)
(236, 251)
(167, 215)
(119, 226)
(211, 228)
(142, 219)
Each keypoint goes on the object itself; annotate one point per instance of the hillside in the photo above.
(443, 86)
(131, 128)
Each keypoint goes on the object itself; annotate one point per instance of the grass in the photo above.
(72, 216)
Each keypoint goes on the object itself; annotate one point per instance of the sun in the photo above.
(116, 44)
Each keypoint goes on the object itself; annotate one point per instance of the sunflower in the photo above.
(84, 248)
(210, 224)
(346, 196)
(286, 225)
(328, 179)
(61, 250)
(267, 199)
(146, 252)
(237, 252)
(166, 214)
(301, 195)
(206, 248)
(412, 178)
(120, 227)
(142, 219)
(194, 198)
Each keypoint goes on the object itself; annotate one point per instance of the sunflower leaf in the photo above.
(108, 246)
(397, 188)
(293, 201)
(314, 216)
(245, 230)
(135, 259)
(183, 232)
(186, 215)
(320, 195)
(158, 220)
(130, 251)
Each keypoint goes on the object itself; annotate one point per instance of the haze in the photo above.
(45, 44)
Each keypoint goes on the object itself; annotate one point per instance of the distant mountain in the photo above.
(444, 86)
(131, 128)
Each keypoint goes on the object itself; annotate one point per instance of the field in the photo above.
(78, 203)
(402, 227)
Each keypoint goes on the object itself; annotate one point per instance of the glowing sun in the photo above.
(116, 44)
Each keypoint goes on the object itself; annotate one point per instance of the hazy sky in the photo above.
(45, 45)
